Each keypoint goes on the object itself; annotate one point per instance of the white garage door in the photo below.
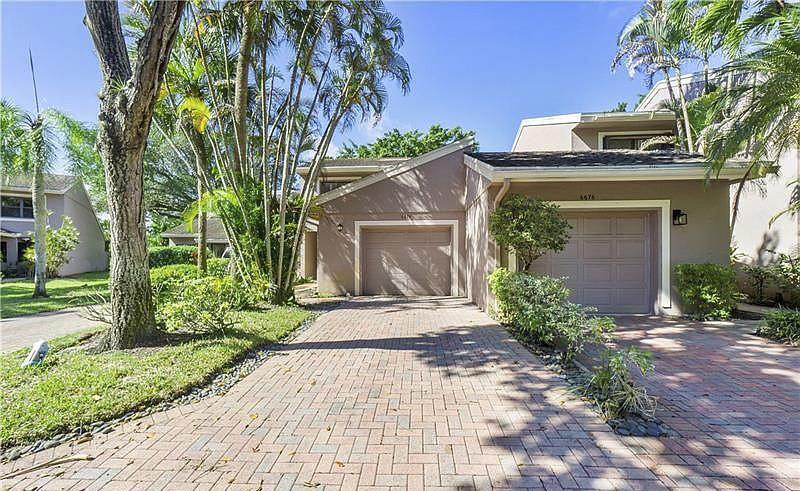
(406, 261)
(608, 261)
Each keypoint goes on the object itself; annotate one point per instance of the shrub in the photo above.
(166, 255)
(59, 243)
(708, 291)
(530, 227)
(218, 266)
(203, 305)
(757, 279)
(538, 308)
(167, 281)
(781, 325)
(786, 273)
(613, 387)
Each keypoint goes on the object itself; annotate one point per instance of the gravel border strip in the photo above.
(218, 385)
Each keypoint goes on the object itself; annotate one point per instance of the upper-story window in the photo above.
(14, 207)
(325, 186)
(634, 142)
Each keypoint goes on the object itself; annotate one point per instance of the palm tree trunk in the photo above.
(674, 104)
(685, 111)
(39, 218)
(202, 224)
(241, 90)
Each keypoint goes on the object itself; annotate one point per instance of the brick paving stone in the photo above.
(430, 393)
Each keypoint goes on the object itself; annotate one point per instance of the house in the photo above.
(215, 235)
(754, 237)
(65, 196)
(419, 226)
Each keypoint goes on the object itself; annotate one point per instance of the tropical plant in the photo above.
(27, 149)
(758, 277)
(782, 325)
(613, 387)
(530, 227)
(708, 291)
(60, 243)
(393, 143)
(256, 135)
(127, 100)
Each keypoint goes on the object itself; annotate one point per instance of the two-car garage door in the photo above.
(608, 261)
(412, 260)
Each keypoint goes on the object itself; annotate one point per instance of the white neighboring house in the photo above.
(761, 200)
(65, 196)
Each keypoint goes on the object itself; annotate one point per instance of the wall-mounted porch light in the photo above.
(679, 217)
(339, 227)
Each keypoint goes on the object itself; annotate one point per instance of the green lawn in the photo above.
(71, 291)
(73, 388)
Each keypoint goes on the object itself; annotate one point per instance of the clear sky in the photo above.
(480, 65)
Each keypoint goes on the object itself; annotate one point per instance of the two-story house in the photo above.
(65, 196)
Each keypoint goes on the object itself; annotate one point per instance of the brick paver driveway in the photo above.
(733, 400)
(378, 393)
(406, 394)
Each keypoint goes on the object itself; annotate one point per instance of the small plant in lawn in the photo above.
(613, 387)
(708, 291)
(529, 227)
(60, 242)
(782, 325)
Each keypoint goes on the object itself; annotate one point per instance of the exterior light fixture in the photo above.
(679, 217)
(339, 227)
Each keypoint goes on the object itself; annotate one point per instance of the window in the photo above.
(13, 207)
(326, 186)
(633, 142)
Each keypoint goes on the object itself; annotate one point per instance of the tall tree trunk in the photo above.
(127, 100)
(674, 102)
(685, 112)
(39, 216)
(197, 142)
(241, 87)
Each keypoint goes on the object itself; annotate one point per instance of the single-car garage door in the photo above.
(406, 261)
(608, 261)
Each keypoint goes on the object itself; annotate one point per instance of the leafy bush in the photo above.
(530, 227)
(614, 388)
(538, 308)
(218, 266)
(59, 243)
(757, 279)
(781, 325)
(165, 255)
(786, 273)
(708, 291)
(203, 305)
(167, 281)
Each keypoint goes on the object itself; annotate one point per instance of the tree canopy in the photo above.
(393, 143)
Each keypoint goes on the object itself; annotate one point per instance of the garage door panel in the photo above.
(598, 249)
(609, 261)
(407, 261)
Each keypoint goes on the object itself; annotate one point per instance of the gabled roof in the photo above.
(597, 165)
(394, 170)
(53, 183)
(344, 166)
(215, 231)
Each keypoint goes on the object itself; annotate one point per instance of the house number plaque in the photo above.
(587, 197)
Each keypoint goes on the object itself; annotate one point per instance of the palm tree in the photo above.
(27, 149)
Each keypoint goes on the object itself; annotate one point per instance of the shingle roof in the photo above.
(215, 231)
(596, 158)
(53, 183)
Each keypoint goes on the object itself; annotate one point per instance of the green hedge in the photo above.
(166, 281)
(163, 256)
(707, 291)
(782, 325)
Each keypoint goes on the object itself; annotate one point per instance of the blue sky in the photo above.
(479, 65)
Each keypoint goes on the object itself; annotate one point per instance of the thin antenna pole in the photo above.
(33, 76)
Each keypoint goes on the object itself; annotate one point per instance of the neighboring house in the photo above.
(215, 235)
(218, 242)
(753, 235)
(65, 195)
(420, 226)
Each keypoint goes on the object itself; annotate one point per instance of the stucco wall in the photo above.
(587, 138)
(704, 239)
(544, 137)
(90, 255)
(479, 252)
(438, 185)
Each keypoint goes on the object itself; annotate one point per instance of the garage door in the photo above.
(406, 261)
(608, 261)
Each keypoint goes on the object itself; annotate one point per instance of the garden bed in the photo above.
(73, 389)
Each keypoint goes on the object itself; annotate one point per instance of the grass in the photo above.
(74, 388)
(71, 291)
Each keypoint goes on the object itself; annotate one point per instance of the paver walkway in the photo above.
(21, 332)
(400, 394)
(430, 393)
(732, 398)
